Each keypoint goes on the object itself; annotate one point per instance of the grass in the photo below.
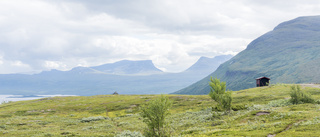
(191, 115)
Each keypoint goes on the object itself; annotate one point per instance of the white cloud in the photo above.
(54, 65)
(7, 67)
(60, 34)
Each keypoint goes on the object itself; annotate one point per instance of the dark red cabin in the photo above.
(262, 81)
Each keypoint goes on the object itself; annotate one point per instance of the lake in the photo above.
(7, 98)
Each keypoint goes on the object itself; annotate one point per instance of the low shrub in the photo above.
(5, 115)
(239, 107)
(298, 96)
(3, 127)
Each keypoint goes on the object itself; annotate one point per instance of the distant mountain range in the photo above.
(125, 77)
(288, 54)
(206, 64)
(144, 67)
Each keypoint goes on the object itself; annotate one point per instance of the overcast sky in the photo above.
(37, 35)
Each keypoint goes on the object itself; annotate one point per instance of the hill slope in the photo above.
(287, 54)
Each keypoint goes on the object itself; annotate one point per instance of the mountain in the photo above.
(287, 54)
(207, 65)
(129, 67)
(125, 77)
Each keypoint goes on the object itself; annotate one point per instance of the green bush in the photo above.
(239, 107)
(298, 96)
(154, 114)
(218, 93)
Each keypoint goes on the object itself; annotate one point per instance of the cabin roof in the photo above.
(263, 77)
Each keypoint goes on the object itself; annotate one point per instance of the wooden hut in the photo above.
(262, 81)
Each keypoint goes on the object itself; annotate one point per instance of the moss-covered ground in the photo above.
(257, 112)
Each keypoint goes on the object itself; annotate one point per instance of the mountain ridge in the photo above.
(130, 77)
(207, 63)
(287, 54)
(129, 67)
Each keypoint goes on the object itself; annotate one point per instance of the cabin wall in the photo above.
(262, 82)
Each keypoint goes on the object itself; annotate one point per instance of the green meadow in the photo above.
(263, 111)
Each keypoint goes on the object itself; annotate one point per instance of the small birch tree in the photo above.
(218, 93)
(154, 114)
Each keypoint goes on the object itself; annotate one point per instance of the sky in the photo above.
(40, 35)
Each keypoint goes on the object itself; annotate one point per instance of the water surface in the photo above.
(7, 98)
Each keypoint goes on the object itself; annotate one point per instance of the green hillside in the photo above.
(260, 112)
(287, 54)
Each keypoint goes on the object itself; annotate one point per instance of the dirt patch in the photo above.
(262, 113)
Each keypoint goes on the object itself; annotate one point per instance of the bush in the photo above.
(154, 114)
(239, 107)
(298, 96)
(218, 93)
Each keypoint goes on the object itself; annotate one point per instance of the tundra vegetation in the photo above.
(258, 111)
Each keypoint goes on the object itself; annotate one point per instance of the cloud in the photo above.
(14, 66)
(41, 35)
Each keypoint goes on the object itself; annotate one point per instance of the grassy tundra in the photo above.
(256, 112)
